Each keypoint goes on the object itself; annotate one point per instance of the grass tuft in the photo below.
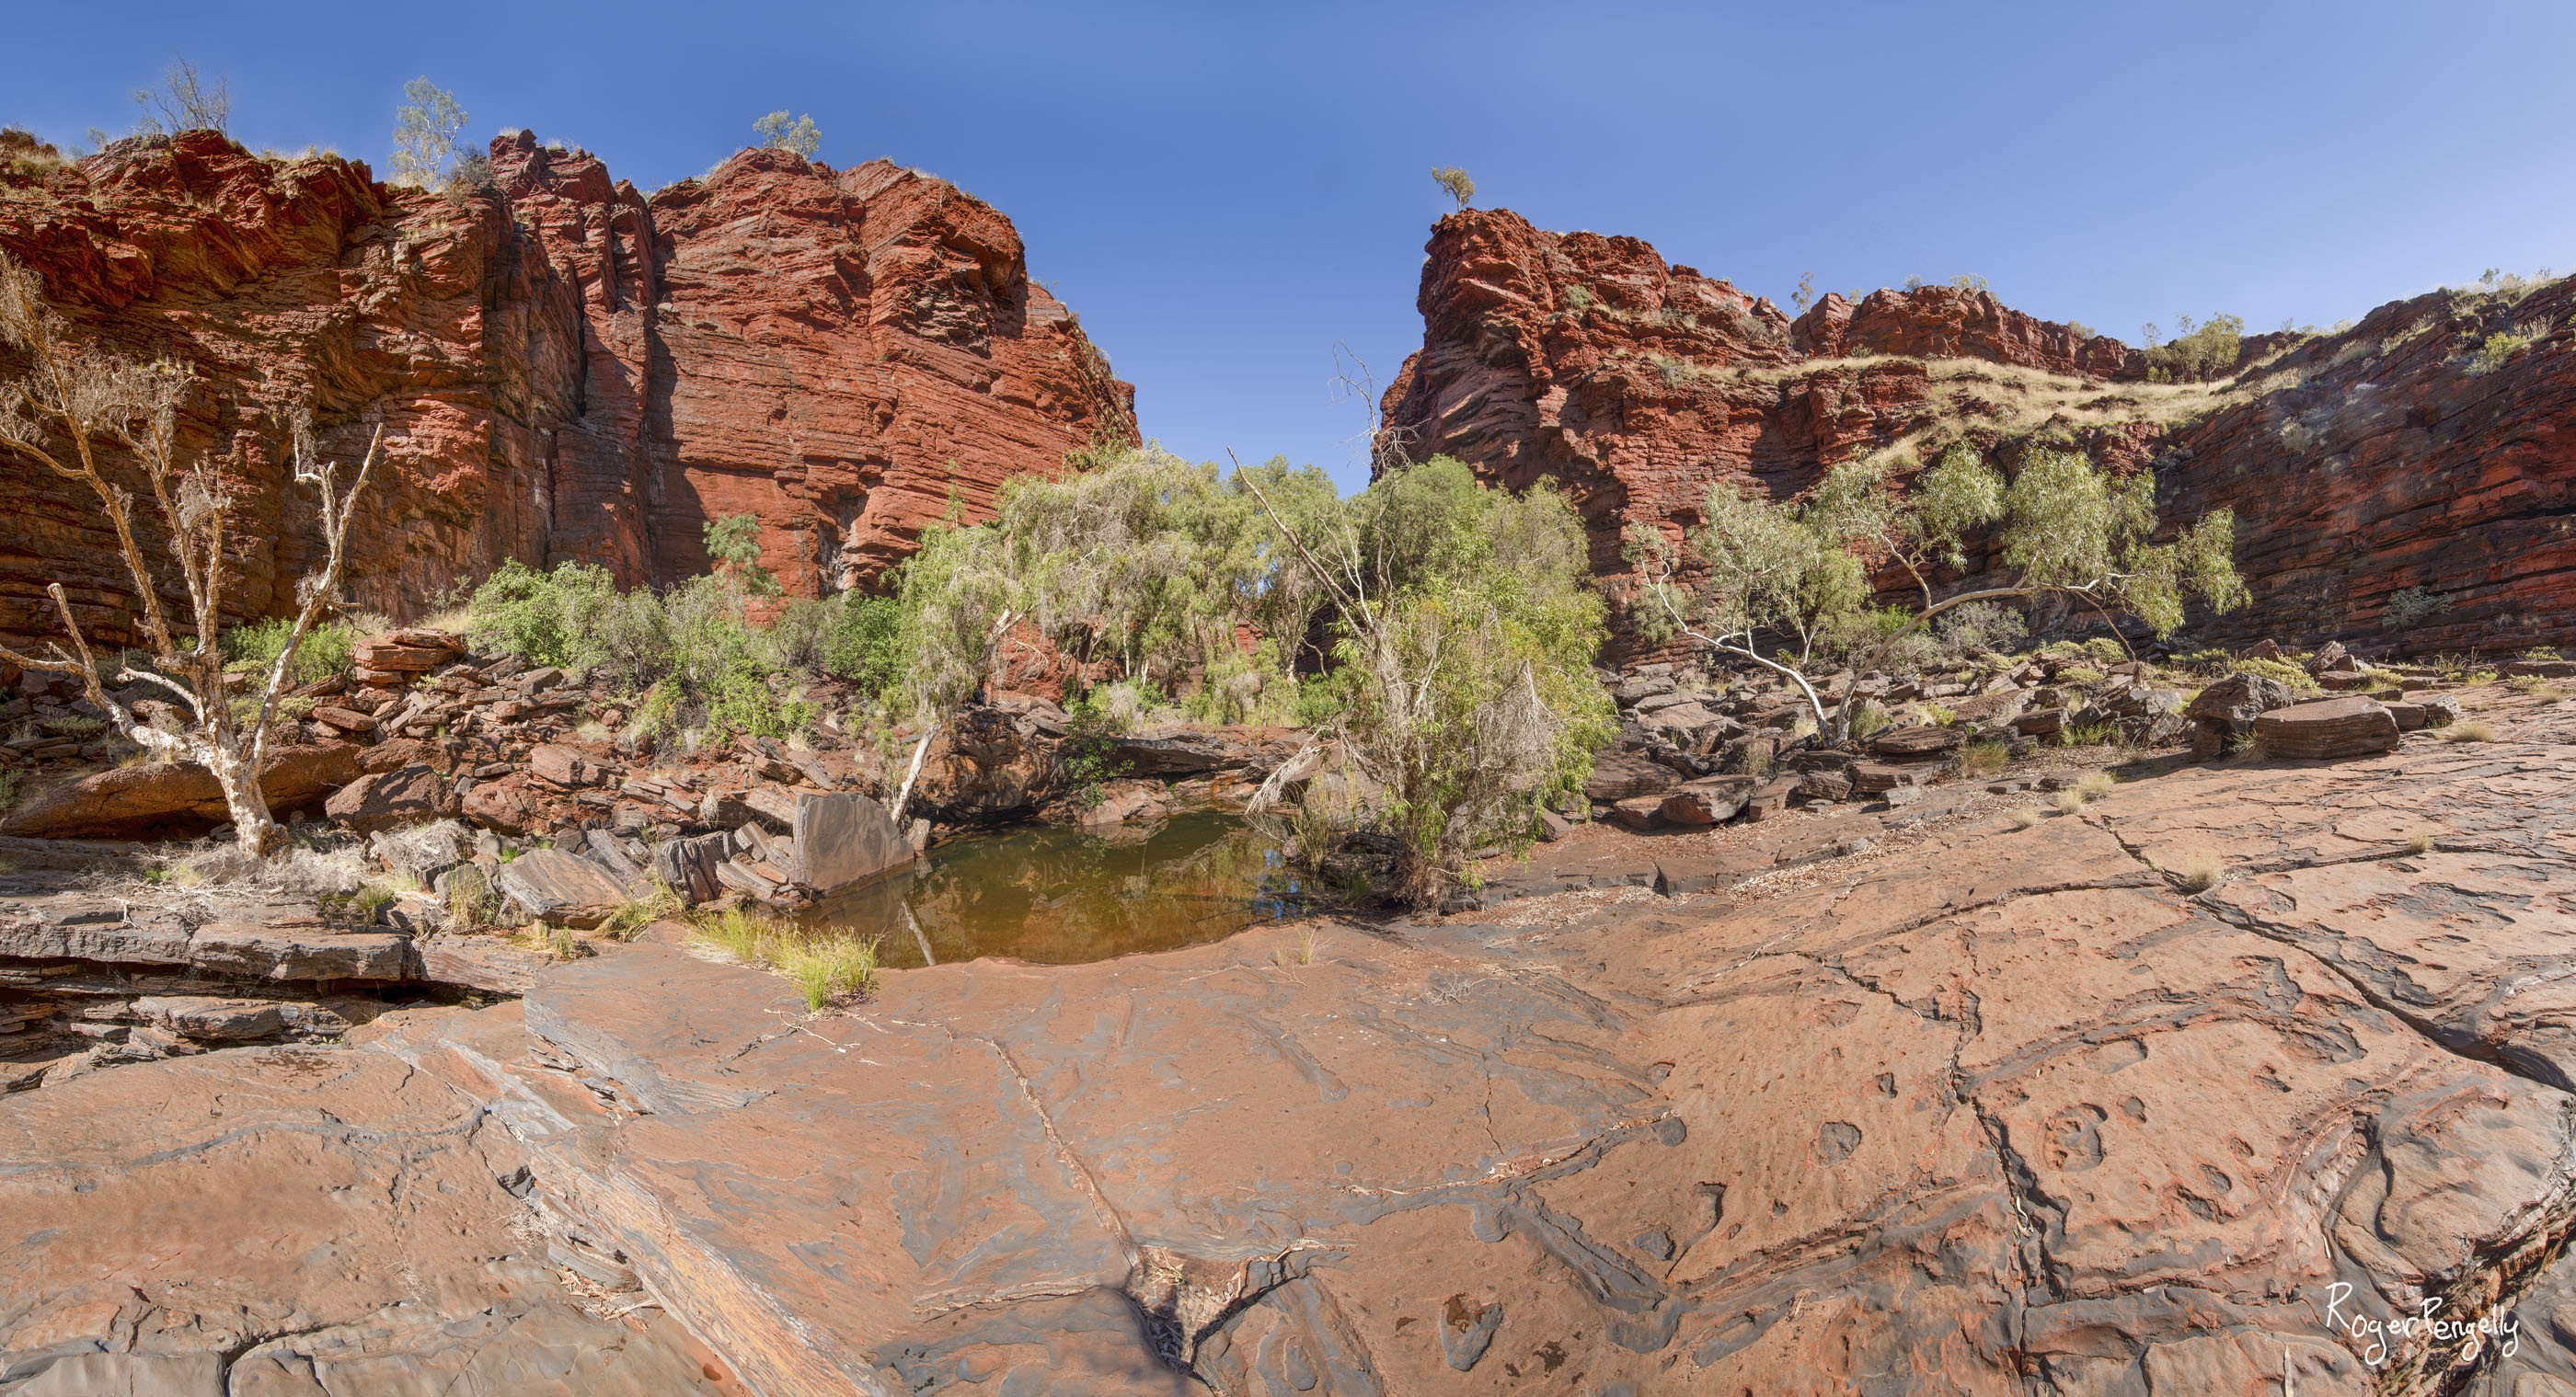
(2470, 730)
(2201, 874)
(825, 966)
(2421, 841)
(2026, 817)
(2096, 784)
(1983, 758)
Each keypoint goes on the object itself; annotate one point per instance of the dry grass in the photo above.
(2096, 784)
(2469, 730)
(2069, 801)
(2026, 817)
(2421, 841)
(1983, 758)
(2200, 875)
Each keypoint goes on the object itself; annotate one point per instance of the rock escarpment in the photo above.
(2429, 446)
(565, 368)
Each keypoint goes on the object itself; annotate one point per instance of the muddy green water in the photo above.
(1065, 896)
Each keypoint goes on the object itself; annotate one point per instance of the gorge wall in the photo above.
(2361, 463)
(565, 368)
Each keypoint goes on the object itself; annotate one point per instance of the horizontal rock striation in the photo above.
(565, 367)
(2427, 447)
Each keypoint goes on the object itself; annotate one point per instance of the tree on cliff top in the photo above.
(800, 136)
(184, 101)
(1454, 180)
(1799, 572)
(72, 403)
(426, 148)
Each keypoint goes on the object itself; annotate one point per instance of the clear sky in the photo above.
(1225, 192)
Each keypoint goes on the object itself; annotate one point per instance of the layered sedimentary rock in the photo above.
(564, 367)
(2427, 447)
(1975, 1108)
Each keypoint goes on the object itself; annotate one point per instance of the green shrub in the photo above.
(2501, 346)
(2298, 679)
(2410, 607)
(2197, 355)
(328, 650)
(1089, 752)
(1983, 625)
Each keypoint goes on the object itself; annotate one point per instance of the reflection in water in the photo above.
(1064, 896)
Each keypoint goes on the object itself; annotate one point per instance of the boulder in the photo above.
(210, 1020)
(553, 886)
(2338, 727)
(499, 805)
(1710, 801)
(1824, 784)
(1618, 775)
(381, 801)
(688, 866)
(2047, 722)
(1638, 812)
(1174, 754)
(1878, 778)
(563, 766)
(2331, 656)
(491, 964)
(157, 797)
(1921, 743)
(2418, 711)
(846, 839)
(2240, 698)
(289, 953)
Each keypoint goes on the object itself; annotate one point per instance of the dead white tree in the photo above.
(86, 399)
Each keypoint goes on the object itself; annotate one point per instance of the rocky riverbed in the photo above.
(1991, 1100)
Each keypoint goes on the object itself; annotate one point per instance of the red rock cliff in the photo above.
(566, 368)
(2358, 464)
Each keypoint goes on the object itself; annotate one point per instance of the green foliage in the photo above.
(2297, 679)
(426, 126)
(1089, 753)
(1796, 573)
(1472, 699)
(328, 651)
(693, 649)
(1146, 567)
(2496, 349)
(1454, 182)
(733, 545)
(1867, 718)
(776, 132)
(2196, 355)
(2409, 607)
(865, 642)
(1983, 625)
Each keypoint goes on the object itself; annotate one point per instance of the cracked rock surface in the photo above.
(1981, 1109)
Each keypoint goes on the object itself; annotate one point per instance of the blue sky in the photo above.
(1226, 192)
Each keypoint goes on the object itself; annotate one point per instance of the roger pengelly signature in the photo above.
(2378, 1336)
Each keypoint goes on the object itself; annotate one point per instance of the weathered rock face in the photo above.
(565, 369)
(2358, 464)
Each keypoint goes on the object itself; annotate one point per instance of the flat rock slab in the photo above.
(1984, 1104)
(301, 1221)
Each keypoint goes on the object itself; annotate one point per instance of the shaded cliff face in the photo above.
(2360, 464)
(565, 368)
